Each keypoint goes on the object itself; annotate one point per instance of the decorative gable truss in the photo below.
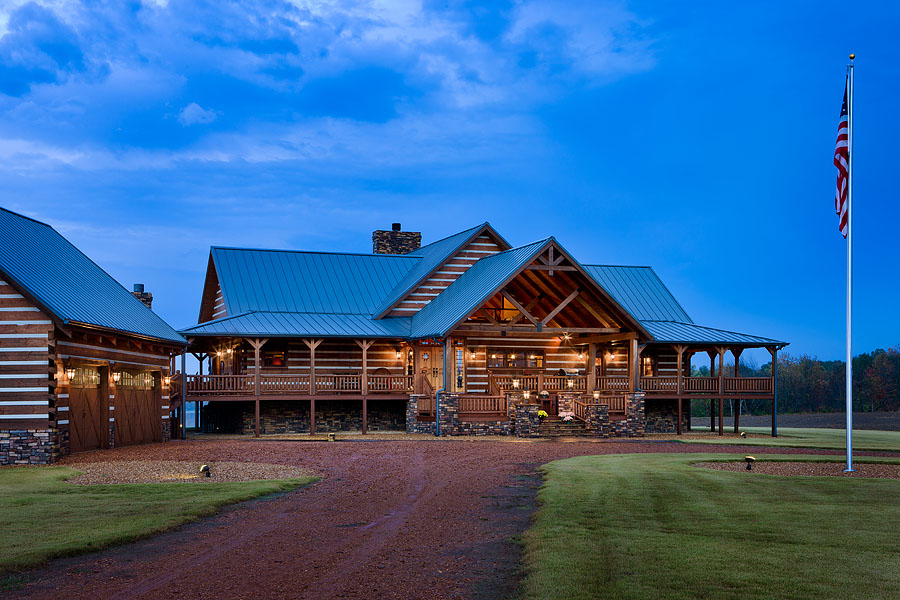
(485, 244)
(552, 293)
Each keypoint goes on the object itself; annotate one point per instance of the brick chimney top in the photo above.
(140, 294)
(395, 241)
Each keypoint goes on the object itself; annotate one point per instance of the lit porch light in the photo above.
(219, 354)
(570, 383)
(581, 356)
(167, 380)
(472, 355)
(526, 394)
(399, 354)
(70, 373)
(567, 336)
(515, 383)
(117, 375)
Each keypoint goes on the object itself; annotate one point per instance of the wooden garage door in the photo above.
(138, 416)
(85, 411)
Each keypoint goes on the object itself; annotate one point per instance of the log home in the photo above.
(84, 364)
(466, 335)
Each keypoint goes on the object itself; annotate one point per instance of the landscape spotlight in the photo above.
(204, 471)
(743, 434)
(750, 460)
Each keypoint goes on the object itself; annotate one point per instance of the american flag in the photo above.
(842, 161)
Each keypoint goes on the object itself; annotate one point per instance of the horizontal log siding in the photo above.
(557, 355)
(336, 356)
(446, 274)
(26, 354)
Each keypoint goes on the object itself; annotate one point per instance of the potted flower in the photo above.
(566, 416)
(542, 414)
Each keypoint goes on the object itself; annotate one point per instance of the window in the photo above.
(646, 366)
(499, 358)
(273, 359)
(460, 367)
(142, 380)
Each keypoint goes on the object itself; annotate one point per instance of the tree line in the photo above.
(807, 384)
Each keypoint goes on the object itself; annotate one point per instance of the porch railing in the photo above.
(748, 384)
(613, 383)
(295, 383)
(480, 405)
(659, 384)
(700, 384)
(615, 405)
(537, 383)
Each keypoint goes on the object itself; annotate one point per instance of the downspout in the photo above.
(437, 394)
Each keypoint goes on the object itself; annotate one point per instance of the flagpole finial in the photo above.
(852, 56)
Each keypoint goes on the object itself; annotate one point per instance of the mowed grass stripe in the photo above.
(802, 437)
(653, 526)
(42, 517)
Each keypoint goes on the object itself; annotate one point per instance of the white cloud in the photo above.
(193, 113)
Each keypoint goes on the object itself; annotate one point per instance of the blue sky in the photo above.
(695, 138)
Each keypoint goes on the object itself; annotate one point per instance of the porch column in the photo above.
(184, 391)
(591, 369)
(312, 345)
(634, 355)
(721, 352)
(737, 373)
(712, 402)
(680, 350)
(364, 381)
(257, 344)
(774, 352)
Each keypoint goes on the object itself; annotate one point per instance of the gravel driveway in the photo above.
(391, 519)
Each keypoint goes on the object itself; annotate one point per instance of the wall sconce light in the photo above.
(70, 373)
(581, 356)
(167, 380)
(493, 356)
(570, 383)
(526, 394)
(472, 354)
(596, 395)
(512, 357)
(116, 376)
(515, 383)
(219, 354)
(230, 351)
(609, 356)
(399, 355)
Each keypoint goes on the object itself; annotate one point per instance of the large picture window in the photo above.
(499, 358)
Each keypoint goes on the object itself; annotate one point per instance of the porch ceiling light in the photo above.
(567, 336)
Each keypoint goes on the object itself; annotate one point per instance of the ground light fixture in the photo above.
(750, 460)
(204, 471)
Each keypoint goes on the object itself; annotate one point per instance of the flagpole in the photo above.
(850, 220)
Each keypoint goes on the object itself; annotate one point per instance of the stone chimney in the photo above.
(140, 294)
(395, 241)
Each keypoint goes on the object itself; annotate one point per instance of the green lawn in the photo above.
(796, 437)
(653, 526)
(42, 517)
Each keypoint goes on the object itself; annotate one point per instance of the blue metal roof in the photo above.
(65, 282)
(640, 291)
(307, 282)
(684, 333)
(281, 324)
(472, 289)
(432, 256)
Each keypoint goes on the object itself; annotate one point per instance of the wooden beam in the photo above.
(590, 309)
(484, 313)
(605, 338)
(520, 308)
(524, 330)
(559, 308)
(312, 345)
(257, 345)
(528, 307)
(635, 364)
(550, 268)
(680, 351)
(721, 352)
(591, 368)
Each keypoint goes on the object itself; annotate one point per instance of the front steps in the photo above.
(555, 427)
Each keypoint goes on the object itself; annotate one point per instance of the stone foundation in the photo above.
(527, 421)
(413, 425)
(166, 431)
(661, 416)
(28, 446)
(331, 416)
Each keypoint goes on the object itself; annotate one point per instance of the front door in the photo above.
(431, 361)
(86, 427)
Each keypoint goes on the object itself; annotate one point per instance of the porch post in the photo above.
(721, 352)
(364, 381)
(774, 352)
(680, 350)
(737, 373)
(591, 370)
(712, 402)
(257, 344)
(312, 345)
(184, 392)
(634, 355)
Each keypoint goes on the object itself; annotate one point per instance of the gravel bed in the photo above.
(809, 469)
(169, 471)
